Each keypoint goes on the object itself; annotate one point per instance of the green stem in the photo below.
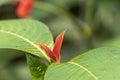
(90, 19)
(90, 11)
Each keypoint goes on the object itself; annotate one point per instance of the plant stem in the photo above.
(90, 19)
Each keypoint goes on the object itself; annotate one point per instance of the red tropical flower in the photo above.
(24, 7)
(55, 53)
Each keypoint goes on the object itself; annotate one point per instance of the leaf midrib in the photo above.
(85, 69)
(25, 39)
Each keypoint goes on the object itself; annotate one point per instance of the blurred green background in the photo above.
(88, 24)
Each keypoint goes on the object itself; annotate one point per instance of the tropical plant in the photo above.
(91, 41)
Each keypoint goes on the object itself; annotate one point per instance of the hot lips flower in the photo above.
(54, 54)
(24, 7)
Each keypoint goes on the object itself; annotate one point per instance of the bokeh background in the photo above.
(88, 23)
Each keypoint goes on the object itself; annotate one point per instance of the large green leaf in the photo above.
(98, 64)
(25, 35)
(114, 43)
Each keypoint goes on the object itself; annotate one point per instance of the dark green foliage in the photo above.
(37, 68)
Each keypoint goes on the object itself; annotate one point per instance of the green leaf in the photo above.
(25, 35)
(8, 54)
(98, 64)
(113, 43)
(36, 67)
(4, 1)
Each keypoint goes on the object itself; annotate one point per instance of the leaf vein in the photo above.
(25, 39)
(88, 71)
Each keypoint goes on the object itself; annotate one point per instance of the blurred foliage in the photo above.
(4, 1)
(89, 23)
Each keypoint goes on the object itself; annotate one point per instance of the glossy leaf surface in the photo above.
(37, 68)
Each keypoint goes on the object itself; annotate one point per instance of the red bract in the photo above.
(55, 53)
(24, 8)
